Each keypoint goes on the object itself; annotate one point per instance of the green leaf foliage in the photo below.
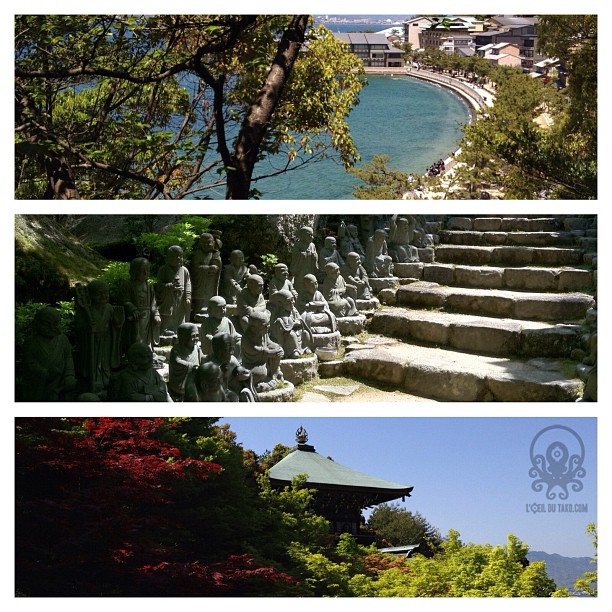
(137, 106)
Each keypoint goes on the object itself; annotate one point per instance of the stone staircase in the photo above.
(496, 314)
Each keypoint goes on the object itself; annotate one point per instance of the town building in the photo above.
(341, 493)
(501, 54)
(412, 30)
(373, 49)
(523, 35)
(454, 28)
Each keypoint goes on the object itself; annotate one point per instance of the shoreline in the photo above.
(476, 100)
(471, 95)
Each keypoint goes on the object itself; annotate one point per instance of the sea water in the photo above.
(413, 122)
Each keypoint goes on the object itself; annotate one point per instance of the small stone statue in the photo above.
(329, 254)
(98, 331)
(356, 278)
(234, 277)
(205, 271)
(48, 368)
(335, 293)
(288, 328)
(260, 354)
(313, 307)
(401, 237)
(137, 296)
(250, 299)
(215, 322)
(280, 281)
(349, 240)
(140, 382)
(304, 258)
(185, 356)
(235, 377)
(205, 385)
(378, 262)
(173, 291)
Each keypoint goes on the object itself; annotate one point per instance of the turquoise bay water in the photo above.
(412, 122)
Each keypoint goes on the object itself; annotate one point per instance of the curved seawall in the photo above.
(472, 96)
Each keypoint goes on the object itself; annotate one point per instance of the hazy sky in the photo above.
(469, 474)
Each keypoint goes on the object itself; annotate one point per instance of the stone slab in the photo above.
(476, 333)
(337, 389)
(408, 270)
(443, 274)
(487, 224)
(454, 376)
(531, 224)
(488, 277)
(495, 302)
(508, 255)
(460, 223)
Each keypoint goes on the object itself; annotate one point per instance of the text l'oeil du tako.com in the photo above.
(535, 508)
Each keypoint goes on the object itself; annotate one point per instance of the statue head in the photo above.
(352, 230)
(281, 271)
(222, 347)
(140, 357)
(217, 307)
(207, 243)
(353, 260)
(98, 292)
(305, 234)
(330, 243)
(236, 258)
(209, 378)
(379, 236)
(310, 282)
(255, 284)
(174, 257)
(332, 270)
(140, 269)
(188, 335)
(259, 321)
(46, 322)
(284, 299)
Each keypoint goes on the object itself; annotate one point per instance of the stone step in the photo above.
(454, 376)
(478, 334)
(508, 255)
(561, 307)
(492, 277)
(476, 238)
(505, 224)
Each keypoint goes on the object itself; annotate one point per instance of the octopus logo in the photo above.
(557, 455)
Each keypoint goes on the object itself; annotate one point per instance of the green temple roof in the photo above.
(325, 473)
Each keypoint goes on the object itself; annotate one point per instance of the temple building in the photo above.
(341, 492)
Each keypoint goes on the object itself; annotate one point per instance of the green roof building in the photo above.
(341, 492)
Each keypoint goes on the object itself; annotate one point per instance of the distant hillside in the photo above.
(563, 570)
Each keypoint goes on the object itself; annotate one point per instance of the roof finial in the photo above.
(301, 437)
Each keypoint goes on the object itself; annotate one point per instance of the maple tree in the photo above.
(100, 512)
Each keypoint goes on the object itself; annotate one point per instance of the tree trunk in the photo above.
(60, 183)
(258, 117)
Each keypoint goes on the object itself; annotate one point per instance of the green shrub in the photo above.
(183, 234)
(115, 273)
(24, 315)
